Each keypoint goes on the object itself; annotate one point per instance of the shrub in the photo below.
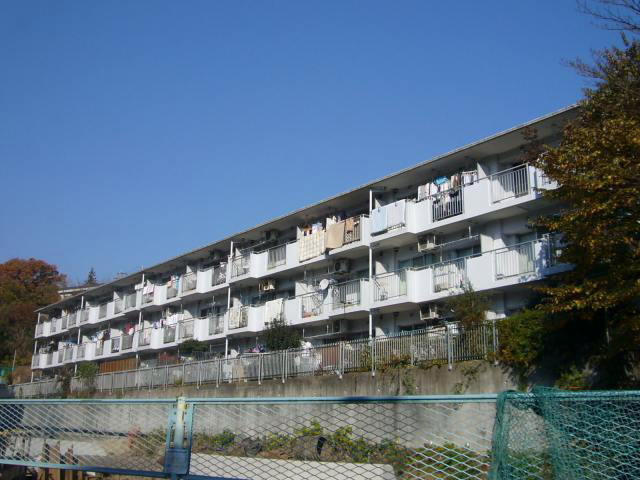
(522, 340)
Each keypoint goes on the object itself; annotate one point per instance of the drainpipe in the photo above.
(370, 269)
(226, 322)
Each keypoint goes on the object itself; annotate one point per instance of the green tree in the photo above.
(91, 277)
(25, 285)
(469, 308)
(280, 336)
(597, 166)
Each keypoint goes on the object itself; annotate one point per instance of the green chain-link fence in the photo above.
(567, 435)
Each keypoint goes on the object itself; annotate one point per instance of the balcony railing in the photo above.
(238, 317)
(189, 282)
(216, 324)
(510, 183)
(144, 337)
(276, 256)
(118, 306)
(63, 323)
(169, 334)
(130, 301)
(61, 355)
(53, 325)
(72, 319)
(49, 359)
(39, 329)
(84, 316)
(354, 234)
(68, 354)
(389, 285)
(115, 344)
(35, 361)
(450, 274)
(80, 352)
(346, 294)
(102, 310)
(219, 275)
(127, 342)
(240, 265)
(447, 204)
(172, 292)
(99, 349)
(185, 329)
(147, 297)
(312, 304)
(515, 260)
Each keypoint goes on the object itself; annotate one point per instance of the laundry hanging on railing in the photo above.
(443, 183)
(379, 220)
(310, 246)
(273, 310)
(388, 216)
(335, 235)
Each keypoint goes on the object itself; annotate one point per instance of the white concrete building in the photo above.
(373, 261)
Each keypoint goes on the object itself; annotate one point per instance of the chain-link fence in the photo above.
(567, 435)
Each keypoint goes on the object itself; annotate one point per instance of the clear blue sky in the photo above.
(133, 131)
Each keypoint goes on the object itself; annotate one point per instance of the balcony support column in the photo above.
(370, 270)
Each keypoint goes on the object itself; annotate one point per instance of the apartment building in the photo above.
(374, 261)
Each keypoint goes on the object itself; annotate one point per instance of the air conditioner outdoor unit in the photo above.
(267, 285)
(427, 242)
(429, 311)
(270, 236)
(341, 266)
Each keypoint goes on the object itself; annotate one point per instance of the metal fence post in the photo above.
(218, 374)
(449, 349)
(495, 341)
(284, 363)
(411, 346)
(340, 360)
(166, 376)
(260, 355)
(184, 378)
(373, 357)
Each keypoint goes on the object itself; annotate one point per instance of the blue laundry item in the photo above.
(441, 180)
(378, 220)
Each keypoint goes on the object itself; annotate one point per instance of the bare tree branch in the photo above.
(617, 15)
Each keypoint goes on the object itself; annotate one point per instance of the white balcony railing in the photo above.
(126, 342)
(35, 361)
(276, 256)
(118, 306)
(447, 204)
(53, 325)
(63, 323)
(80, 353)
(389, 285)
(185, 329)
(39, 329)
(238, 317)
(312, 304)
(216, 324)
(72, 319)
(61, 355)
(510, 183)
(99, 351)
(172, 291)
(240, 265)
(130, 301)
(115, 344)
(84, 316)
(169, 335)
(49, 359)
(515, 260)
(219, 275)
(346, 294)
(68, 354)
(144, 337)
(189, 282)
(450, 274)
(102, 310)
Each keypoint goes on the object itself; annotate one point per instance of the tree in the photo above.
(280, 336)
(469, 308)
(25, 285)
(597, 166)
(91, 278)
(623, 15)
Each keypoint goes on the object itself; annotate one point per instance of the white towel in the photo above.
(379, 220)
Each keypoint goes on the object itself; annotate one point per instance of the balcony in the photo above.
(80, 352)
(219, 275)
(514, 260)
(510, 183)
(216, 324)
(130, 301)
(35, 361)
(72, 319)
(49, 359)
(61, 355)
(389, 217)
(169, 335)
(63, 323)
(39, 329)
(99, 348)
(172, 291)
(118, 306)
(312, 304)
(447, 204)
(276, 256)
(238, 318)
(185, 329)
(189, 282)
(240, 265)
(126, 342)
(389, 285)
(115, 344)
(53, 325)
(337, 298)
(102, 310)
(144, 337)
(68, 354)
(449, 275)
(84, 316)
